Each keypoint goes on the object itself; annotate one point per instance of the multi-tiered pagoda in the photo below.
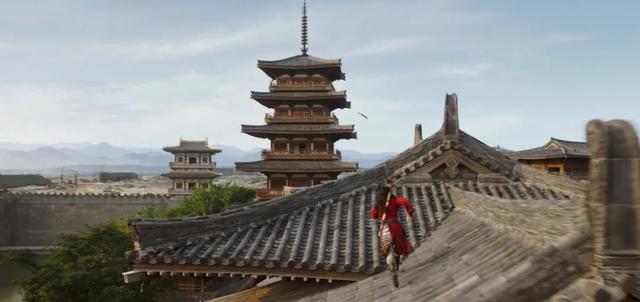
(302, 128)
(193, 166)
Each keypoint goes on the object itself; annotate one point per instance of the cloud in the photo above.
(468, 71)
(567, 38)
(146, 113)
(388, 45)
(490, 126)
(210, 42)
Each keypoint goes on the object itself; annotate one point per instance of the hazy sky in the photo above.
(144, 73)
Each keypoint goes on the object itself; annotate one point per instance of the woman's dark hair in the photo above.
(384, 191)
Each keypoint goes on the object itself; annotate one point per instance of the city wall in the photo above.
(36, 219)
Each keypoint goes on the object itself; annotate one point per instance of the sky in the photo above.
(145, 73)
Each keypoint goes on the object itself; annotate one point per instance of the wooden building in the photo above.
(557, 156)
(193, 166)
(302, 128)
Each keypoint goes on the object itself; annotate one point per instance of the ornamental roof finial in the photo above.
(303, 37)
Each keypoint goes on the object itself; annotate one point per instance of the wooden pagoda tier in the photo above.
(193, 166)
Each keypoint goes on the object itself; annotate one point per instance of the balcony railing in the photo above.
(266, 194)
(268, 118)
(269, 154)
(185, 165)
(307, 86)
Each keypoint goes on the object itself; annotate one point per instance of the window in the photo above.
(178, 185)
(180, 159)
(205, 159)
(302, 148)
(280, 147)
(318, 111)
(282, 111)
(277, 182)
(191, 185)
(204, 185)
(300, 181)
(193, 160)
(320, 146)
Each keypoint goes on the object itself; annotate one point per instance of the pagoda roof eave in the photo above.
(328, 67)
(178, 149)
(272, 130)
(334, 100)
(330, 95)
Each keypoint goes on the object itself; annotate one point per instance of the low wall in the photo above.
(34, 219)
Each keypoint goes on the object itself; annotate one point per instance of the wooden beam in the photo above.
(259, 271)
(134, 276)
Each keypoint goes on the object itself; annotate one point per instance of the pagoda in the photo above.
(193, 166)
(302, 128)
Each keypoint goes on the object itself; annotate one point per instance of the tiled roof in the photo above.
(332, 99)
(265, 131)
(555, 148)
(297, 166)
(306, 63)
(300, 61)
(192, 146)
(488, 249)
(523, 225)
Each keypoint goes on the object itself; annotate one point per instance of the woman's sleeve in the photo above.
(374, 213)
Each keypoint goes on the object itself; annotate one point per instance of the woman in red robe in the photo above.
(402, 245)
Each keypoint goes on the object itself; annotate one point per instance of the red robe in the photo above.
(402, 245)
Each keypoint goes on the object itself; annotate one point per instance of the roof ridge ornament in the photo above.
(303, 36)
(450, 125)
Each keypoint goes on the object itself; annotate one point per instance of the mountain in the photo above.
(88, 158)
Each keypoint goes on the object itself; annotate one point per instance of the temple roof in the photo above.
(332, 99)
(192, 174)
(303, 64)
(471, 236)
(268, 131)
(555, 148)
(297, 166)
(192, 146)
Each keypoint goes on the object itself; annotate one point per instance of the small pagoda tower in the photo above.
(302, 128)
(193, 166)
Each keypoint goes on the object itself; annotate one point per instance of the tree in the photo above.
(86, 266)
(203, 202)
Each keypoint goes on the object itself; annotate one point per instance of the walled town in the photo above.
(558, 222)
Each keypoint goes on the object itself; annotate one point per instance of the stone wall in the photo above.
(33, 219)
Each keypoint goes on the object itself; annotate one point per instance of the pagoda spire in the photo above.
(303, 37)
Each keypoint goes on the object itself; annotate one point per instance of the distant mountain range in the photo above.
(85, 158)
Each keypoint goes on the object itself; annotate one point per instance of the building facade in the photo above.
(193, 166)
(302, 127)
(557, 156)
